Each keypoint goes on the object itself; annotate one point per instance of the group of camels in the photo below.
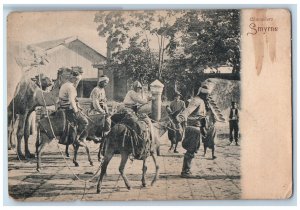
(29, 94)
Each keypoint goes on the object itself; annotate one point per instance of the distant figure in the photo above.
(174, 132)
(98, 96)
(234, 123)
(176, 105)
(134, 98)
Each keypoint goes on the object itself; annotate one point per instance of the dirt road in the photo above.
(213, 179)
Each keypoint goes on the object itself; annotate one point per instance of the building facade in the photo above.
(68, 52)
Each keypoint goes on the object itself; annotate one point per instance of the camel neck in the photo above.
(49, 97)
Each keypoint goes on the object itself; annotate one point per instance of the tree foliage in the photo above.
(113, 25)
(135, 63)
(173, 46)
(209, 38)
(206, 39)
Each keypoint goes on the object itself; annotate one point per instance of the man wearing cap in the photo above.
(98, 96)
(134, 98)
(195, 115)
(68, 102)
(234, 123)
(176, 105)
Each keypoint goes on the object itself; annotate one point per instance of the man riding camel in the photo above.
(68, 102)
(98, 96)
(134, 98)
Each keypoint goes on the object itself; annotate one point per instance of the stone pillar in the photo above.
(156, 88)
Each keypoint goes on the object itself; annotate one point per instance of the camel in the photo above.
(121, 140)
(43, 82)
(53, 127)
(27, 97)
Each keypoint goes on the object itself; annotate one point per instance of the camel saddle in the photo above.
(140, 135)
(62, 127)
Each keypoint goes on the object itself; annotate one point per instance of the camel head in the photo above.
(63, 75)
(42, 81)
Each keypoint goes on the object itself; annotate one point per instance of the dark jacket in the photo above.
(236, 113)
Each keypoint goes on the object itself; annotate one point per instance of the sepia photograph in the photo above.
(141, 105)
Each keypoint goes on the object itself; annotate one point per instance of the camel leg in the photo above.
(175, 149)
(171, 147)
(205, 148)
(28, 155)
(11, 119)
(67, 151)
(107, 157)
(9, 146)
(10, 138)
(73, 138)
(99, 153)
(144, 184)
(213, 153)
(39, 145)
(156, 169)
(10, 130)
(20, 134)
(83, 144)
(76, 147)
(124, 158)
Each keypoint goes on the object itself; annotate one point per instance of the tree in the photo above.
(135, 62)
(193, 40)
(204, 39)
(143, 26)
(113, 26)
(209, 38)
(156, 25)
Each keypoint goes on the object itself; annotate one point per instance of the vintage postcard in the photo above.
(149, 105)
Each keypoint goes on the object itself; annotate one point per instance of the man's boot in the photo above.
(186, 167)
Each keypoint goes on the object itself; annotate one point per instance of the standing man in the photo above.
(176, 106)
(68, 102)
(98, 96)
(196, 112)
(175, 133)
(234, 123)
(134, 98)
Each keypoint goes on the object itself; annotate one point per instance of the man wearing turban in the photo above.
(98, 96)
